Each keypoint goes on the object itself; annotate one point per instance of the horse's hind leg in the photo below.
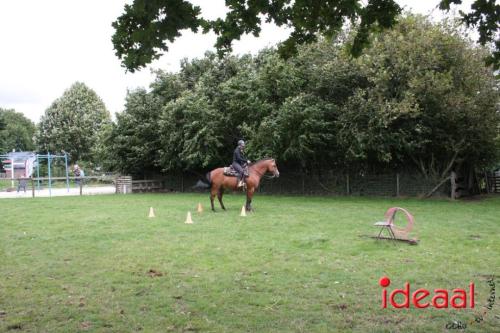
(219, 196)
(213, 192)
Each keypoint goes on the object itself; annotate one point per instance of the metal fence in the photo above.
(56, 186)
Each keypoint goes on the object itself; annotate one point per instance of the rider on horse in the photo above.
(239, 160)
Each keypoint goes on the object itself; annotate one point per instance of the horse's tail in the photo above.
(204, 183)
(208, 178)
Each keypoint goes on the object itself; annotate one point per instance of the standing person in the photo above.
(239, 161)
(21, 184)
(78, 174)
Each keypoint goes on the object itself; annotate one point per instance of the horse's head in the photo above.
(273, 168)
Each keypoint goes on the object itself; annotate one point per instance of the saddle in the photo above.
(229, 171)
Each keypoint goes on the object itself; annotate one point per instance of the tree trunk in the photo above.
(453, 181)
(437, 187)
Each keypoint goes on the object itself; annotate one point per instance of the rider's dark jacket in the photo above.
(238, 156)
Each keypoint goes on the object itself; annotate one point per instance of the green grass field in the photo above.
(297, 264)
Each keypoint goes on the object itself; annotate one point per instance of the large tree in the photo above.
(142, 32)
(430, 102)
(16, 131)
(419, 98)
(133, 143)
(73, 123)
(206, 120)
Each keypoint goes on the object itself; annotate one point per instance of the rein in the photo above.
(268, 177)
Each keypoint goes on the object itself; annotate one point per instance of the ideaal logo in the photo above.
(423, 298)
(440, 299)
(478, 317)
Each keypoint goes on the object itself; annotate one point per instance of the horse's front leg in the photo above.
(248, 206)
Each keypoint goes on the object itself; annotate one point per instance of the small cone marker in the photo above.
(200, 208)
(151, 212)
(188, 219)
(243, 211)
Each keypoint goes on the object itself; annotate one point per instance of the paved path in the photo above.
(58, 192)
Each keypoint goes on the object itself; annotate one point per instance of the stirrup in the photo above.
(241, 183)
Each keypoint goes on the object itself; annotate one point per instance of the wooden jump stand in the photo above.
(395, 232)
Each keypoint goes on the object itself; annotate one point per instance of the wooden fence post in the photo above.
(397, 184)
(303, 184)
(33, 187)
(487, 182)
(453, 178)
(81, 186)
(347, 178)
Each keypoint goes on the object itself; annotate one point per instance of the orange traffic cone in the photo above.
(200, 208)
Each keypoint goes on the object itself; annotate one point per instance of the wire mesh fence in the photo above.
(324, 183)
(56, 186)
(330, 183)
(289, 183)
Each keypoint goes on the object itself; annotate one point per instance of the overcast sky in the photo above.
(48, 45)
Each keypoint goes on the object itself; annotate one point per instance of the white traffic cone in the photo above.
(188, 219)
(243, 211)
(200, 208)
(151, 212)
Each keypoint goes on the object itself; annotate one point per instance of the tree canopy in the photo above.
(134, 141)
(16, 131)
(485, 16)
(144, 29)
(420, 97)
(73, 123)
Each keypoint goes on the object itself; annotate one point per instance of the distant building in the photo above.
(23, 162)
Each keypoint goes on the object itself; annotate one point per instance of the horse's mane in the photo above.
(261, 160)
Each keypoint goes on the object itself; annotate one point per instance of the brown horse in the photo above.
(218, 181)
